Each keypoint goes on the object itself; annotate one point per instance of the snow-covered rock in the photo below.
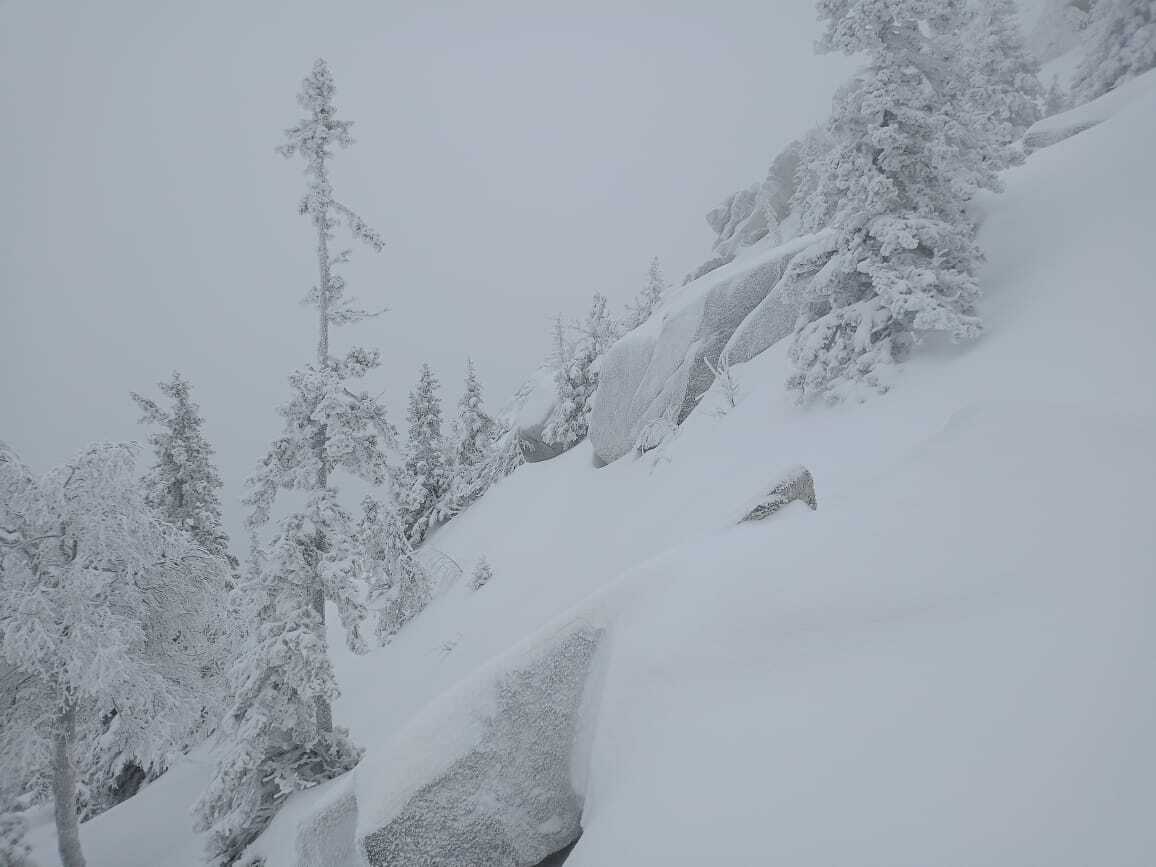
(795, 485)
(739, 221)
(529, 410)
(502, 795)
(660, 370)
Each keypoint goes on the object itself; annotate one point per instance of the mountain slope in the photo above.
(949, 662)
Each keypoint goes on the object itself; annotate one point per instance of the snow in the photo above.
(1068, 123)
(152, 829)
(948, 662)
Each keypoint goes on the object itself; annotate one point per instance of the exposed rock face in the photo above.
(796, 484)
(660, 370)
(509, 801)
(774, 317)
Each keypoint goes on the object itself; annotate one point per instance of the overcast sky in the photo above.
(516, 156)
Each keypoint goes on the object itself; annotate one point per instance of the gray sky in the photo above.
(516, 156)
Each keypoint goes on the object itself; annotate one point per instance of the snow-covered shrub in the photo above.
(483, 572)
(725, 381)
(653, 434)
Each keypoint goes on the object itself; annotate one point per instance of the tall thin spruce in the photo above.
(280, 732)
(313, 138)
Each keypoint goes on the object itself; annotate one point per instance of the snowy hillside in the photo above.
(949, 662)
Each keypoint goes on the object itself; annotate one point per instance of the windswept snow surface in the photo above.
(951, 662)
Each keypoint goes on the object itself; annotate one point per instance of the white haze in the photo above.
(516, 156)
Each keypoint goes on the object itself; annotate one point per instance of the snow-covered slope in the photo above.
(950, 662)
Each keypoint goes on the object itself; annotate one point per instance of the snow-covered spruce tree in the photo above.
(576, 377)
(96, 593)
(475, 426)
(1005, 88)
(814, 209)
(280, 728)
(474, 434)
(424, 479)
(907, 156)
(183, 484)
(647, 301)
(1121, 45)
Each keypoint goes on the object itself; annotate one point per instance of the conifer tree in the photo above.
(576, 376)
(1121, 45)
(907, 155)
(280, 728)
(475, 427)
(1005, 87)
(425, 478)
(648, 300)
(95, 596)
(183, 484)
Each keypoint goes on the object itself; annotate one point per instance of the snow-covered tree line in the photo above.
(445, 468)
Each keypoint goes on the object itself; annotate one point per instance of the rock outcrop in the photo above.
(660, 370)
(796, 484)
(508, 799)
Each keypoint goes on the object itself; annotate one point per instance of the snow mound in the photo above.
(965, 639)
(1058, 127)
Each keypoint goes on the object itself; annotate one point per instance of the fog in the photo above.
(516, 156)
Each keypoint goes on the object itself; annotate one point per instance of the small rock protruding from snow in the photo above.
(797, 484)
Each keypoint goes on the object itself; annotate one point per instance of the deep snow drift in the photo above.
(949, 662)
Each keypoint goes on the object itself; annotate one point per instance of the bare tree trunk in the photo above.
(64, 788)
